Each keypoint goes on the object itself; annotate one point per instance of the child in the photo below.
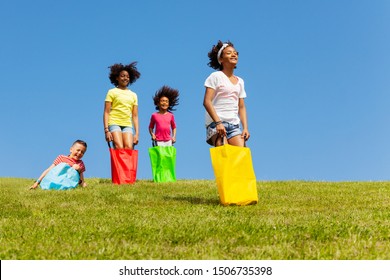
(224, 98)
(77, 151)
(120, 116)
(163, 121)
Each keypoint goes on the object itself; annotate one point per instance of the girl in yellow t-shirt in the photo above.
(120, 116)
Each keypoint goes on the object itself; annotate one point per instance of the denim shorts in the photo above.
(123, 129)
(231, 131)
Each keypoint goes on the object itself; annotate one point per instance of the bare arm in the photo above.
(135, 125)
(152, 134)
(35, 185)
(83, 183)
(106, 114)
(208, 105)
(77, 167)
(243, 118)
(174, 135)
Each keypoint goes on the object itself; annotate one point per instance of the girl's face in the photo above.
(229, 56)
(123, 79)
(77, 151)
(164, 103)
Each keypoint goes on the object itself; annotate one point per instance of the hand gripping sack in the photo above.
(234, 174)
(124, 164)
(163, 161)
(61, 177)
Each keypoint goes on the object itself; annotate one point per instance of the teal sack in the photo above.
(61, 177)
(163, 161)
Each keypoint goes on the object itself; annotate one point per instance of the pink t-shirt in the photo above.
(163, 123)
(70, 161)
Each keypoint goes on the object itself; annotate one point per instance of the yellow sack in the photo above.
(234, 174)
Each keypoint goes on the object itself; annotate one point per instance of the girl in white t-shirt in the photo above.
(224, 98)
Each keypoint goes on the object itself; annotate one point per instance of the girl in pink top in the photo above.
(162, 127)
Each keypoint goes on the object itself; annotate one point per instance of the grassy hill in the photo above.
(183, 220)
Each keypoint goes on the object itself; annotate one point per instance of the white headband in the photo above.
(220, 51)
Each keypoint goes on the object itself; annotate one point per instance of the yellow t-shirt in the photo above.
(122, 103)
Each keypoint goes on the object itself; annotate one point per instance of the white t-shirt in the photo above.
(226, 96)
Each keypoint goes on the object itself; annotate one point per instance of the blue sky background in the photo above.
(317, 75)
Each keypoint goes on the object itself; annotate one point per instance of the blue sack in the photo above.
(61, 177)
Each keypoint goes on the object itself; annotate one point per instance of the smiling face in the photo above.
(77, 151)
(229, 56)
(163, 104)
(123, 79)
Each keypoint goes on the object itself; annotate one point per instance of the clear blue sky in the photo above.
(317, 75)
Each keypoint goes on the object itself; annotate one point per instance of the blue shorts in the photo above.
(123, 129)
(231, 131)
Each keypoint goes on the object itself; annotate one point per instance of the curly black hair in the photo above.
(117, 68)
(213, 55)
(170, 93)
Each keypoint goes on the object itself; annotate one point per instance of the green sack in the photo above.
(163, 161)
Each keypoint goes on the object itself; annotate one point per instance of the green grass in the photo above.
(183, 220)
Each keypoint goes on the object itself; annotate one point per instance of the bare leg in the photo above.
(216, 140)
(237, 141)
(127, 138)
(118, 142)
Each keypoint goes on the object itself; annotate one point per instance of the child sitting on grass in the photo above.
(77, 151)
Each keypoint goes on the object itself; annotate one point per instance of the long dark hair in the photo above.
(168, 92)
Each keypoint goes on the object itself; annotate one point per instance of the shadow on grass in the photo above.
(194, 200)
